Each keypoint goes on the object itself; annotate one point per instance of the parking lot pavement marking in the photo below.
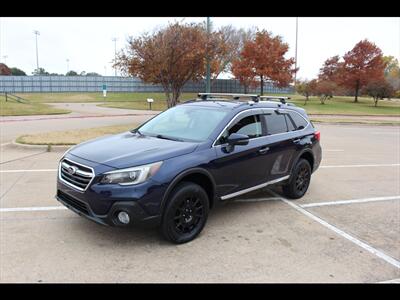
(23, 171)
(360, 166)
(351, 201)
(333, 150)
(376, 252)
(44, 208)
(4, 144)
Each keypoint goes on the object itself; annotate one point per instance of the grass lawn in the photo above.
(72, 137)
(352, 121)
(336, 105)
(97, 97)
(13, 108)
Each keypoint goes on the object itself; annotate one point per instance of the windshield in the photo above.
(185, 123)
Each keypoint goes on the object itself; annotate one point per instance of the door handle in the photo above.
(263, 150)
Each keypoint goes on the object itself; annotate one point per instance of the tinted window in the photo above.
(290, 123)
(298, 120)
(276, 123)
(250, 126)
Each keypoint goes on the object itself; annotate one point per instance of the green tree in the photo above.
(71, 73)
(17, 72)
(40, 71)
(92, 74)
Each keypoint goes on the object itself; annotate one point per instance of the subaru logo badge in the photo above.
(71, 170)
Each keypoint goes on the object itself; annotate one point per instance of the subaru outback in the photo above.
(170, 171)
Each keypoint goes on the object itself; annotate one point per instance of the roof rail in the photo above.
(210, 96)
(272, 98)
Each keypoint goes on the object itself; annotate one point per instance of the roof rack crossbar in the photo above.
(209, 96)
(281, 99)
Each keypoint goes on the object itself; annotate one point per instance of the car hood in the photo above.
(128, 149)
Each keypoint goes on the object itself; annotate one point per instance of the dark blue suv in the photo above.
(170, 171)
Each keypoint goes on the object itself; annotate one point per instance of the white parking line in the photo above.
(332, 150)
(351, 201)
(19, 209)
(347, 236)
(360, 166)
(23, 171)
(1, 145)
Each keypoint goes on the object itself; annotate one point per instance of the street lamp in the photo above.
(36, 32)
(5, 58)
(295, 59)
(67, 65)
(208, 75)
(115, 54)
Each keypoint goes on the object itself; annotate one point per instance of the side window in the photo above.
(276, 123)
(290, 123)
(298, 120)
(250, 125)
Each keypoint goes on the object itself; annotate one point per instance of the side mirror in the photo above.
(238, 139)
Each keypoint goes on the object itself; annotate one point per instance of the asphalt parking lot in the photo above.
(345, 229)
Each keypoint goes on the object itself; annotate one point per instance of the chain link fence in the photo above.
(84, 84)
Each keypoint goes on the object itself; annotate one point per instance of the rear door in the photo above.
(280, 143)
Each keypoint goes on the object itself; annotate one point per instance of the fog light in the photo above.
(123, 217)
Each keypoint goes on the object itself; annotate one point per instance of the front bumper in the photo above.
(136, 213)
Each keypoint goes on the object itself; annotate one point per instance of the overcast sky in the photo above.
(87, 42)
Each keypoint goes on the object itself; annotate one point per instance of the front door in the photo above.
(239, 168)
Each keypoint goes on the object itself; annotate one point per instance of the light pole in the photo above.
(295, 59)
(67, 65)
(5, 58)
(208, 75)
(37, 53)
(115, 54)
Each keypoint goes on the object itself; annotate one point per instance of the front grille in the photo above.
(78, 205)
(75, 174)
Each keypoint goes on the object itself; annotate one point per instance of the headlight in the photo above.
(130, 176)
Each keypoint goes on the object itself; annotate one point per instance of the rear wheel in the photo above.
(299, 180)
(186, 213)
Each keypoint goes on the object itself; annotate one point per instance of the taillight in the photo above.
(317, 135)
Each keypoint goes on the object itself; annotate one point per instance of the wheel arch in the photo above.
(306, 154)
(199, 176)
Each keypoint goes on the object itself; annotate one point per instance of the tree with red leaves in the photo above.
(263, 58)
(360, 66)
(4, 70)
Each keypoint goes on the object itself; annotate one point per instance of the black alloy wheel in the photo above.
(185, 214)
(299, 181)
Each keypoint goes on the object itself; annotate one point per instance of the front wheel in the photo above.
(186, 213)
(299, 180)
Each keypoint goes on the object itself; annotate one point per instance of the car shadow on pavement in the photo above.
(223, 215)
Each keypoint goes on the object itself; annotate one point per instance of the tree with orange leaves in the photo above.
(360, 66)
(171, 56)
(263, 58)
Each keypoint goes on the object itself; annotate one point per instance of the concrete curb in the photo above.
(48, 148)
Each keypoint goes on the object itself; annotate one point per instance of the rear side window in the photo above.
(298, 120)
(276, 123)
(290, 123)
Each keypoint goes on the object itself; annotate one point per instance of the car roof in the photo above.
(242, 105)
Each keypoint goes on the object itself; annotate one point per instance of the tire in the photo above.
(299, 180)
(186, 213)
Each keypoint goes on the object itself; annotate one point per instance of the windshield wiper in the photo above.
(160, 136)
(137, 131)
